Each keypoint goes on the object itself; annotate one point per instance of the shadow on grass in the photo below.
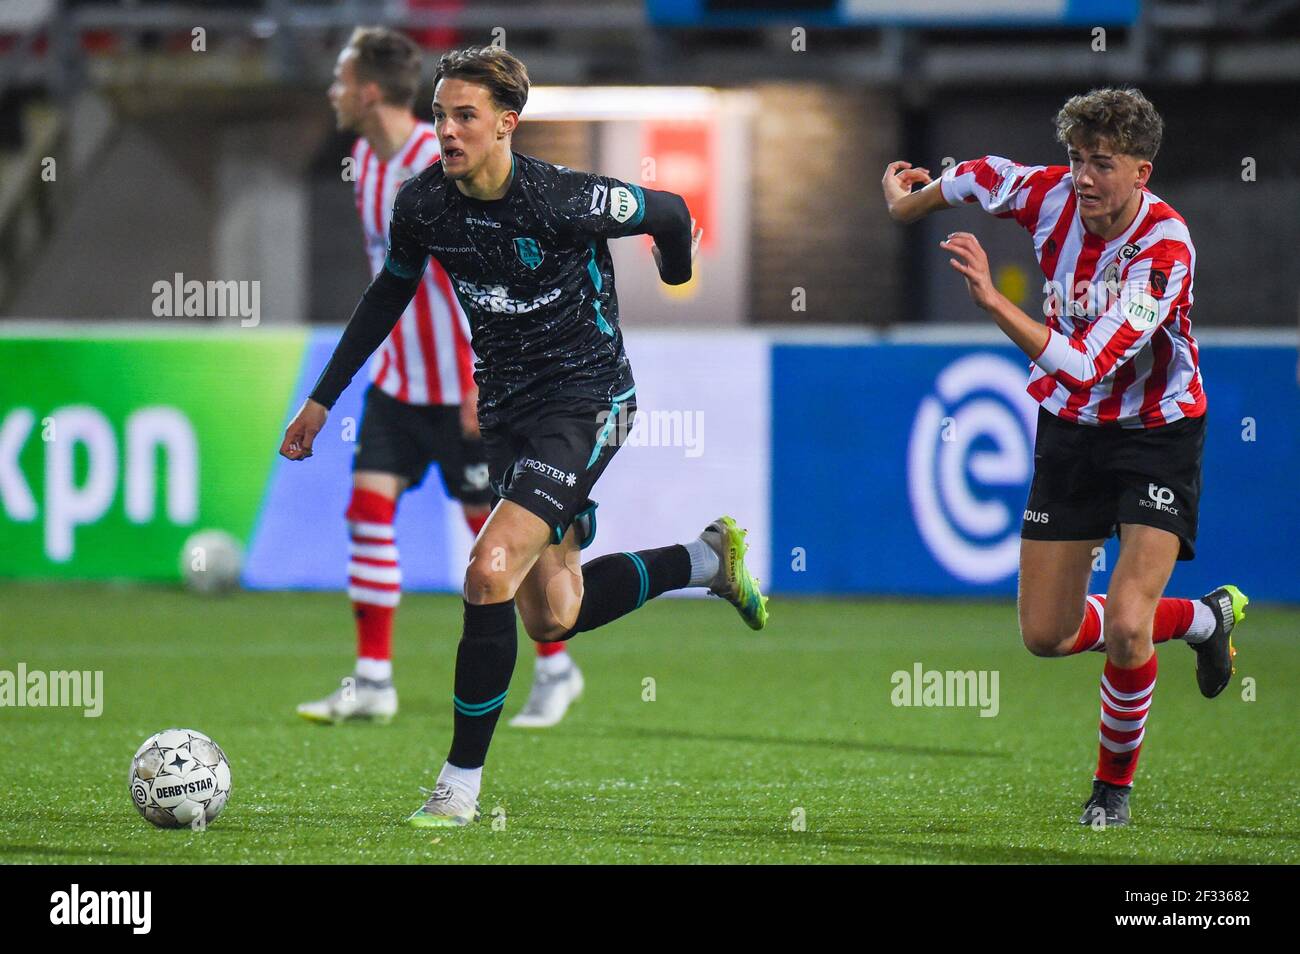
(846, 745)
(761, 843)
(53, 853)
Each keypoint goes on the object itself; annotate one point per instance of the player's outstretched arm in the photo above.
(905, 205)
(372, 321)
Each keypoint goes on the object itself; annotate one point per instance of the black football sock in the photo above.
(485, 661)
(615, 585)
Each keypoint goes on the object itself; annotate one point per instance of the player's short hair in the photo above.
(504, 75)
(390, 59)
(1124, 118)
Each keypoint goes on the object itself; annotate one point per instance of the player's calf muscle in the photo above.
(550, 597)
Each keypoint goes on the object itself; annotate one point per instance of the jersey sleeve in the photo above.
(406, 257)
(999, 185)
(599, 206)
(1152, 286)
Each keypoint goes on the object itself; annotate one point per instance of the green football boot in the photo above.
(734, 583)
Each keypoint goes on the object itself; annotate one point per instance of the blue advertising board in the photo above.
(906, 469)
(954, 13)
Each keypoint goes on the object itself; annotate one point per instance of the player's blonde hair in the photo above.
(504, 75)
(1123, 118)
(390, 59)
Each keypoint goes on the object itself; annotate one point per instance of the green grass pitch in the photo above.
(747, 735)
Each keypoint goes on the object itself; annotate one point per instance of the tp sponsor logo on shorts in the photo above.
(969, 460)
(1159, 498)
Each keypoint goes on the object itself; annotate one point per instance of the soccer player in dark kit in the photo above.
(525, 244)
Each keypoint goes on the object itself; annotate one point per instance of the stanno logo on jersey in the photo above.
(530, 253)
(622, 204)
(598, 195)
(1127, 252)
(470, 220)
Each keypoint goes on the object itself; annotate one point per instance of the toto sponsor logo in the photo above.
(972, 440)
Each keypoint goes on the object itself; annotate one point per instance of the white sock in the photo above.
(466, 780)
(1203, 620)
(554, 664)
(377, 670)
(704, 562)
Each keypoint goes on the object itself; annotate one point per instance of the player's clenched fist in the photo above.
(302, 430)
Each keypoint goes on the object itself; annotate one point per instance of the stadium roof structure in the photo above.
(59, 45)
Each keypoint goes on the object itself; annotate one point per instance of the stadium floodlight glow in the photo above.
(621, 102)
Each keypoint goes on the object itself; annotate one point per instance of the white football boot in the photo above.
(356, 699)
(550, 698)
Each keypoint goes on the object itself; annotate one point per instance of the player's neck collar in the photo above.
(510, 187)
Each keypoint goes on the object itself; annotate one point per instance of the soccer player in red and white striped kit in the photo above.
(420, 407)
(1122, 409)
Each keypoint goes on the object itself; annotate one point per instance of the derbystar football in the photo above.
(180, 778)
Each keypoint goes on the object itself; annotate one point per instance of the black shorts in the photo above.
(549, 462)
(1088, 480)
(404, 439)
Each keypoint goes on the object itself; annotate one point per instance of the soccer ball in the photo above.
(211, 561)
(180, 777)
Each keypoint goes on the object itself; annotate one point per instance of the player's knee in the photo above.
(484, 585)
(1048, 636)
(1125, 629)
(1041, 640)
(549, 630)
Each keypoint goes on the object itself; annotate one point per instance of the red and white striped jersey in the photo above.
(427, 359)
(1121, 349)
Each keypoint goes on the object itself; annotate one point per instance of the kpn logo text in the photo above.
(84, 465)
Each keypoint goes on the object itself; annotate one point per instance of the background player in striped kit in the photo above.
(1122, 417)
(420, 407)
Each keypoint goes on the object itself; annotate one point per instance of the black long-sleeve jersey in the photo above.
(532, 271)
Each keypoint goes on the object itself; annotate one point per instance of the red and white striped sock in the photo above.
(1175, 619)
(1089, 637)
(1125, 702)
(549, 650)
(374, 581)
